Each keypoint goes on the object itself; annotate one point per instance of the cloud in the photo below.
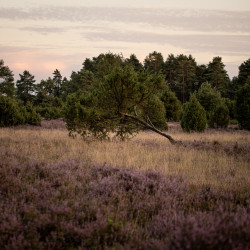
(44, 30)
(76, 32)
(221, 44)
(180, 19)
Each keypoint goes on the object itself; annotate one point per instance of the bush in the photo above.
(32, 117)
(231, 105)
(220, 118)
(156, 110)
(51, 108)
(172, 105)
(49, 112)
(15, 113)
(10, 112)
(243, 106)
(194, 116)
(216, 107)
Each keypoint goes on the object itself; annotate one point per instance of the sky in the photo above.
(41, 36)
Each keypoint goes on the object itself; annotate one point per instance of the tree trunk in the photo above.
(151, 127)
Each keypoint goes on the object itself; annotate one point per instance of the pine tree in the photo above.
(25, 87)
(194, 116)
(243, 105)
(7, 86)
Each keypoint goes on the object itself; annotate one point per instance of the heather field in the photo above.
(57, 192)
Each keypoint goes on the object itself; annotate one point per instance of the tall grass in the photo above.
(60, 192)
(207, 158)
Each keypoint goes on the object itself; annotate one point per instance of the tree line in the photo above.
(123, 95)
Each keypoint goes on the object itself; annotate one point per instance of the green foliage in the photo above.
(194, 116)
(154, 62)
(15, 113)
(6, 80)
(57, 80)
(25, 87)
(180, 73)
(208, 97)
(51, 108)
(217, 75)
(220, 117)
(215, 106)
(31, 116)
(172, 105)
(243, 105)
(10, 112)
(200, 75)
(133, 60)
(231, 105)
(82, 116)
(244, 73)
(154, 108)
(119, 92)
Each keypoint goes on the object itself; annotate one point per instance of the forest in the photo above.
(126, 155)
(109, 86)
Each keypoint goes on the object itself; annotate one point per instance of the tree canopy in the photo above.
(122, 101)
(6, 80)
(25, 87)
(111, 93)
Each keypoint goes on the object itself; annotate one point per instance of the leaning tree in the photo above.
(122, 101)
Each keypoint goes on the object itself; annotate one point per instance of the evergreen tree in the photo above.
(7, 86)
(244, 73)
(13, 112)
(217, 75)
(232, 88)
(243, 105)
(89, 64)
(154, 62)
(180, 72)
(172, 105)
(200, 75)
(220, 117)
(169, 71)
(186, 75)
(214, 104)
(194, 116)
(155, 109)
(209, 98)
(57, 79)
(135, 62)
(122, 101)
(25, 87)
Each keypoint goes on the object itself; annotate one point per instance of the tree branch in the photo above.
(147, 125)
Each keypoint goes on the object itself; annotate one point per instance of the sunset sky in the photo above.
(41, 36)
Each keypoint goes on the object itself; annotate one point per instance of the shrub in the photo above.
(172, 105)
(10, 112)
(216, 107)
(32, 117)
(69, 205)
(243, 105)
(194, 116)
(156, 111)
(220, 118)
(49, 112)
(231, 105)
(51, 108)
(15, 113)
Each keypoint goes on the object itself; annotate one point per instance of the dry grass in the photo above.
(147, 150)
(56, 192)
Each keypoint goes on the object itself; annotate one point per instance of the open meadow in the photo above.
(59, 192)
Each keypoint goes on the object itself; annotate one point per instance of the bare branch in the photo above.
(150, 122)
